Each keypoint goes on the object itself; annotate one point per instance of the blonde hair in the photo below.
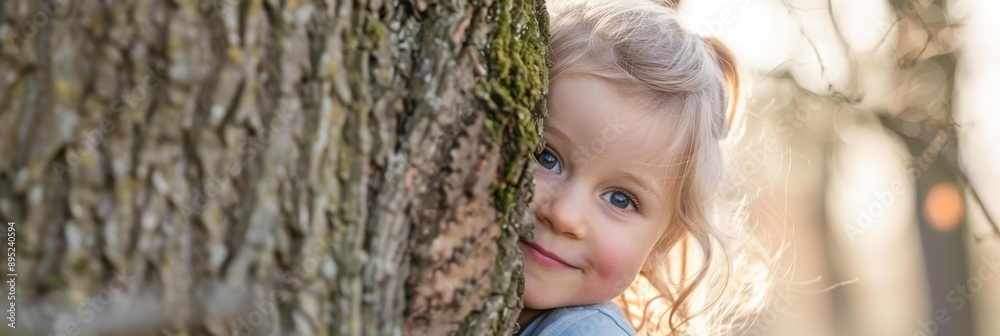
(640, 47)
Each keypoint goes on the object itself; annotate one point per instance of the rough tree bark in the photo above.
(268, 167)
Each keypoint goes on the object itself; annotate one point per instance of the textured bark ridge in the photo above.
(261, 167)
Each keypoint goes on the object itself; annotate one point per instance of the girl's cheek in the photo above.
(618, 266)
(613, 279)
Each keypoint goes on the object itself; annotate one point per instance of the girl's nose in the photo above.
(561, 208)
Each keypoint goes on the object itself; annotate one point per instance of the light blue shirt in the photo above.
(604, 319)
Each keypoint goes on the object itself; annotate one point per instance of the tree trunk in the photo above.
(268, 167)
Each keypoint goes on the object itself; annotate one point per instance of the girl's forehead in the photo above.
(593, 123)
(592, 100)
(582, 113)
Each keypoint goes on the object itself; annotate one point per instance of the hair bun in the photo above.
(727, 63)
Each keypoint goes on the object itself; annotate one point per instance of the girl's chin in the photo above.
(532, 301)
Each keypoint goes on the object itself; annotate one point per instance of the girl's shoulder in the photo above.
(597, 319)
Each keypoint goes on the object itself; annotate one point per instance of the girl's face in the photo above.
(601, 199)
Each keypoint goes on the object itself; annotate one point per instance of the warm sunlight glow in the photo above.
(944, 207)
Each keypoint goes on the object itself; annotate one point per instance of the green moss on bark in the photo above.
(515, 87)
(513, 93)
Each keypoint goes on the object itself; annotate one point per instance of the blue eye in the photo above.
(549, 161)
(621, 199)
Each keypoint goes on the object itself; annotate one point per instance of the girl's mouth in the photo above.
(542, 256)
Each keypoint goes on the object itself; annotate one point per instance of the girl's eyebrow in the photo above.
(635, 180)
(555, 133)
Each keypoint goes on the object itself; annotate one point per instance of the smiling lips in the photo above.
(542, 256)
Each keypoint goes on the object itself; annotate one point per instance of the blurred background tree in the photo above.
(268, 167)
(870, 140)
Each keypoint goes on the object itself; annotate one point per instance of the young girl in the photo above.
(631, 180)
